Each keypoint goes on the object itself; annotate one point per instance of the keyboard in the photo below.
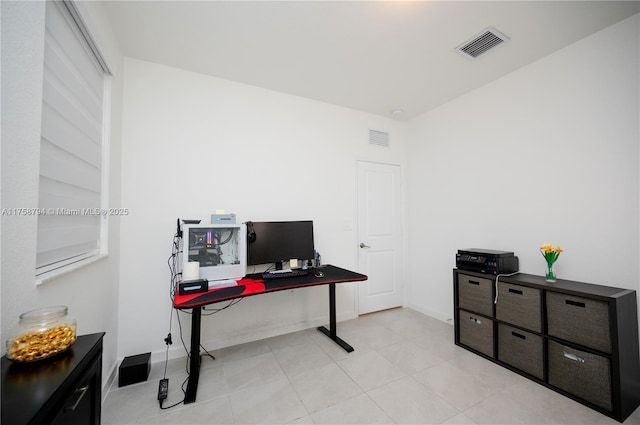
(281, 274)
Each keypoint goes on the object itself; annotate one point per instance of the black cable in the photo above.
(173, 263)
(182, 339)
(168, 341)
(173, 270)
(227, 240)
(186, 367)
(217, 310)
(179, 402)
(169, 407)
(208, 353)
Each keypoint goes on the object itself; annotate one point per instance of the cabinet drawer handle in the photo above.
(573, 357)
(516, 334)
(515, 291)
(80, 392)
(474, 282)
(474, 320)
(576, 303)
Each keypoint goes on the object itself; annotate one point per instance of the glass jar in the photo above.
(41, 333)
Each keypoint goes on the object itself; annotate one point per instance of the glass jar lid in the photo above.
(44, 315)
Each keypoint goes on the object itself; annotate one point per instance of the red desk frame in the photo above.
(325, 275)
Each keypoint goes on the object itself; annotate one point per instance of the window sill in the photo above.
(54, 274)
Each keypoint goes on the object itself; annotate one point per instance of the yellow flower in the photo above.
(550, 253)
(548, 248)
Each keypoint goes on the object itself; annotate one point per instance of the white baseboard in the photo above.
(108, 382)
(436, 315)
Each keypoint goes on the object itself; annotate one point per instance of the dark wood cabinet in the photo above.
(63, 390)
(575, 338)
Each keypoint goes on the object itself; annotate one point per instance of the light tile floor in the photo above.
(405, 370)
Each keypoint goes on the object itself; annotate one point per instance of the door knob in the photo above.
(362, 245)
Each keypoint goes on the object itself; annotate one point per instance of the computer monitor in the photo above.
(280, 241)
(219, 248)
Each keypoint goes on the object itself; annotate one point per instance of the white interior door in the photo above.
(379, 236)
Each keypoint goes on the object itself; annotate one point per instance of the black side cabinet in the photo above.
(63, 390)
(578, 339)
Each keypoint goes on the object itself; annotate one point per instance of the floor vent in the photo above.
(379, 138)
(481, 43)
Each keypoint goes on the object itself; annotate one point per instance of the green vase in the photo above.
(550, 276)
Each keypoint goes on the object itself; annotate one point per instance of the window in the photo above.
(73, 146)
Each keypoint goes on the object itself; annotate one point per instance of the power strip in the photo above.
(163, 389)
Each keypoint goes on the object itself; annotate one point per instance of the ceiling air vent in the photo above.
(379, 138)
(481, 43)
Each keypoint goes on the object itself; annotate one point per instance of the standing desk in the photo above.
(255, 285)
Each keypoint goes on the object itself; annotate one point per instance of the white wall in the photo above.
(547, 154)
(193, 144)
(90, 293)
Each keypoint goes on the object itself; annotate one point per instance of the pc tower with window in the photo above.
(220, 250)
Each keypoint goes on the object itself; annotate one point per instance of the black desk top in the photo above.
(29, 389)
(254, 285)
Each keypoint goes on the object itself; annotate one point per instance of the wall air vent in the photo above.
(481, 43)
(379, 138)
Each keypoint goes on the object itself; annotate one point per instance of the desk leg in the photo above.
(332, 332)
(194, 359)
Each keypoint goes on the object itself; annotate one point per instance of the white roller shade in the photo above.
(71, 147)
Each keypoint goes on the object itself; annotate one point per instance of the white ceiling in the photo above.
(373, 56)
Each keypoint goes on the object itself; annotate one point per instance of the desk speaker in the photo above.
(134, 369)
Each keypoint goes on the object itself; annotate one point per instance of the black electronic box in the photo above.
(486, 261)
(193, 286)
